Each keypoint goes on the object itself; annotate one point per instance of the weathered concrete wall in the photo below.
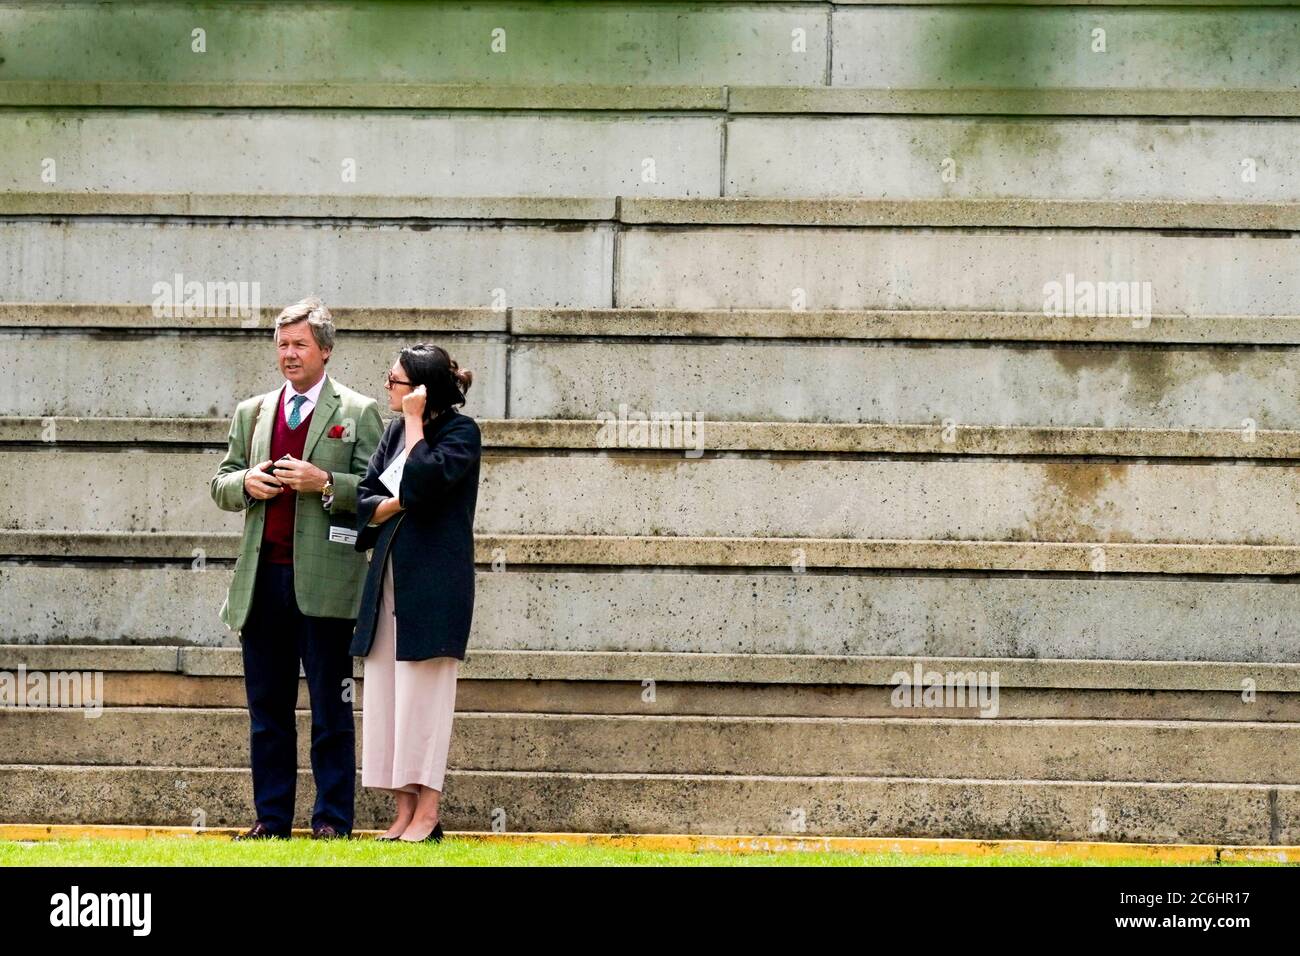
(206, 373)
(1011, 47)
(451, 154)
(1159, 532)
(659, 44)
(344, 263)
(66, 372)
(538, 43)
(781, 381)
(1100, 618)
(701, 268)
(693, 268)
(392, 155)
(922, 157)
(709, 804)
(970, 499)
(1102, 750)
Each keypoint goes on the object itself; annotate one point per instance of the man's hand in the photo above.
(260, 484)
(301, 475)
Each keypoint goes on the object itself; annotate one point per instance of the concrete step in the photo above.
(722, 699)
(846, 268)
(495, 264)
(890, 157)
(526, 44)
(127, 597)
(867, 325)
(717, 684)
(371, 264)
(99, 373)
(745, 669)
(1091, 558)
(1139, 386)
(998, 47)
(118, 374)
(359, 206)
(568, 97)
(956, 213)
(937, 747)
(1194, 102)
(681, 803)
(1013, 212)
(118, 151)
(672, 324)
(880, 47)
(1056, 163)
(815, 497)
(725, 436)
(557, 363)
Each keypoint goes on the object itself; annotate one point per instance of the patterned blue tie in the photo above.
(295, 417)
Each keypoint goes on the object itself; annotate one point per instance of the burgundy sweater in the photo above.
(277, 535)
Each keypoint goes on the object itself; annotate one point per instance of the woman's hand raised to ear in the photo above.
(413, 403)
(413, 412)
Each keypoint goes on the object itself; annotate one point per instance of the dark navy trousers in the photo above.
(276, 637)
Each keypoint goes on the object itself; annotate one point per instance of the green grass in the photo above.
(165, 851)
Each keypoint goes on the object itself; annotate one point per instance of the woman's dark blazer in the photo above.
(432, 539)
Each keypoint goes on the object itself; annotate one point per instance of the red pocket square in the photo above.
(336, 432)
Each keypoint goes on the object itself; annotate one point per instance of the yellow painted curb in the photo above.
(700, 843)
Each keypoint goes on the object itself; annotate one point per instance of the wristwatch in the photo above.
(328, 490)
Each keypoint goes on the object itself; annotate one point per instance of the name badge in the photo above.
(343, 535)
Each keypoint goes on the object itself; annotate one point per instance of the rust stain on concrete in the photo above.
(1076, 498)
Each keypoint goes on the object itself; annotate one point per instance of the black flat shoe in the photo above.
(436, 835)
(385, 839)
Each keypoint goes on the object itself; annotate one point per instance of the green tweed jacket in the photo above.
(328, 576)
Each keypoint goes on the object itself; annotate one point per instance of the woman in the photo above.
(419, 596)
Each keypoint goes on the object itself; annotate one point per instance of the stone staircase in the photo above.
(822, 234)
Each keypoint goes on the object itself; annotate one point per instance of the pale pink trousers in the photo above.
(406, 709)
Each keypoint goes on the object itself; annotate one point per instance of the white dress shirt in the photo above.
(304, 408)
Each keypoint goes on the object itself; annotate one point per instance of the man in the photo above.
(298, 580)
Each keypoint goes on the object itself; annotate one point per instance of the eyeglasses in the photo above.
(389, 381)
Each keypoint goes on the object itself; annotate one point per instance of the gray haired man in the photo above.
(294, 458)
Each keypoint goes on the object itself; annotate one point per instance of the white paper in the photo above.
(392, 475)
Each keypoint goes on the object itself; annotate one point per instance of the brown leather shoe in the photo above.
(258, 831)
(327, 832)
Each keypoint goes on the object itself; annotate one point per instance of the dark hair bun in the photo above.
(429, 365)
